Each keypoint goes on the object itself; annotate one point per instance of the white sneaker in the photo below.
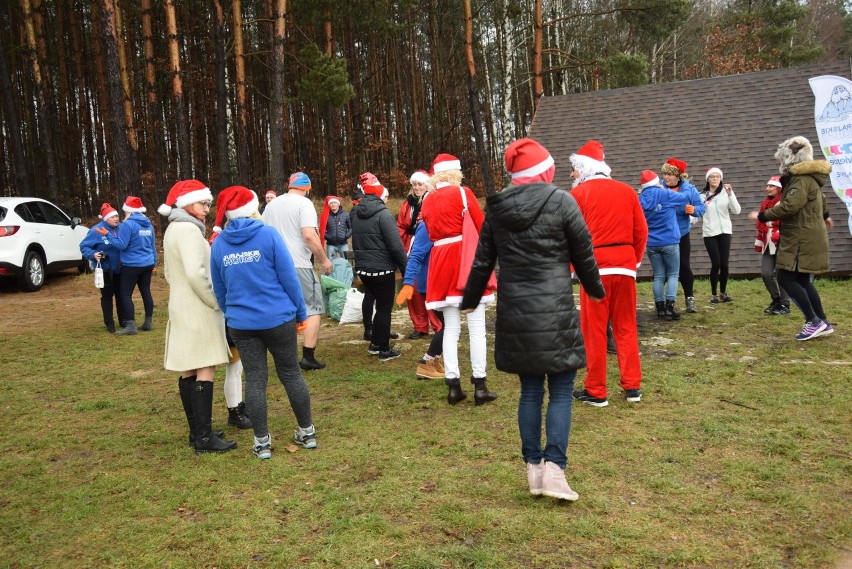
(263, 447)
(535, 476)
(555, 485)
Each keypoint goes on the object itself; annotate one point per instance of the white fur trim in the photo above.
(333, 201)
(618, 271)
(194, 196)
(711, 171)
(447, 165)
(654, 182)
(244, 211)
(164, 210)
(133, 209)
(110, 214)
(534, 170)
(419, 177)
(775, 183)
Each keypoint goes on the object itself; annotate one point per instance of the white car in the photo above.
(37, 238)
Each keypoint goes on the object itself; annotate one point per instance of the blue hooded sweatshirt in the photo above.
(417, 268)
(254, 278)
(660, 206)
(95, 242)
(695, 200)
(136, 241)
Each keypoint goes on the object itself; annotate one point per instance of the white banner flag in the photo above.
(833, 116)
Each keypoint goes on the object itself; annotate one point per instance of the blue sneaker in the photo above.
(307, 438)
(812, 330)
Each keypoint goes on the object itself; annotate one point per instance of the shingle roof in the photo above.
(734, 122)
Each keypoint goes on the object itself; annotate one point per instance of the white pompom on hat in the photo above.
(713, 170)
(649, 178)
(184, 193)
(133, 205)
(233, 203)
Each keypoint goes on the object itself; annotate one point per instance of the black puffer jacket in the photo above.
(338, 228)
(537, 232)
(375, 238)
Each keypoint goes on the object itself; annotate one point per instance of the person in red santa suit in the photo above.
(619, 234)
(443, 215)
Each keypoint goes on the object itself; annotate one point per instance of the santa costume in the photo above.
(619, 234)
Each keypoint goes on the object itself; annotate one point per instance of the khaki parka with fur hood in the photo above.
(803, 246)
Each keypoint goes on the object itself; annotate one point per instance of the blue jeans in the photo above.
(557, 423)
(665, 261)
(330, 250)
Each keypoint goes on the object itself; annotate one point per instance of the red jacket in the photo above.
(767, 233)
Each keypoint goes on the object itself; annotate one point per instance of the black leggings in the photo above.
(381, 288)
(436, 346)
(685, 277)
(803, 292)
(719, 249)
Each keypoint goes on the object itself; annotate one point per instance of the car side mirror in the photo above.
(75, 221)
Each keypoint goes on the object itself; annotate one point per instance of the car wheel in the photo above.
(33, 276)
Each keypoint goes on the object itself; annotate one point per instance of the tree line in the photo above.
(105, 98)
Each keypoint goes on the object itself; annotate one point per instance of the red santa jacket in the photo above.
(616, 223)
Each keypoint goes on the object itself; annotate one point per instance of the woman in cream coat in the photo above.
(195, 334)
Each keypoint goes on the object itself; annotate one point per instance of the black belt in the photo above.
(613, 245)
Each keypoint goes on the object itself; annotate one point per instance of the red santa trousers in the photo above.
(618, 307)
(420, 317)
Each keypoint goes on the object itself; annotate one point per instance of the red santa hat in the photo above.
(133, 205)
(184, 193)
(370, 184)
(679, 164)
(234, 202)
(774, 181)
(419, 176)
(107, 211)
(592, 149)
(589, 160)
(649, 178)
(332, 199)
(272, 193)
(526, 158)
(711, 171)
(444, 162)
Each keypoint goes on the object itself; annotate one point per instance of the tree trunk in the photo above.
(184, 153)
(14, 128)
(127, 100)
(242, 130)
(156, 164)
(330, 159)
(473, 95)
(123, 154)
(276, 111)
(538, 88)
(44, 123)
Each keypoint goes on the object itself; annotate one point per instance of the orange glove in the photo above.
(690, 209)
(405, 293)
(101, 230)
(300, 326)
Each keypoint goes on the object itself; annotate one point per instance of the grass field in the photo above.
(737, 456)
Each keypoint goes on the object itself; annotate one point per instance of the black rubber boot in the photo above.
(661, 309)
(671, 313)
(148, 325)
(185, 387)
(481, 395)
(456, 394)
(237, 416)
(202, 414)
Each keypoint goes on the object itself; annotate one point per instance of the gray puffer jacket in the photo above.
(537, 233)
(375, 238)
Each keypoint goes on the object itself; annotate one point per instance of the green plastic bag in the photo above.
(334, 295)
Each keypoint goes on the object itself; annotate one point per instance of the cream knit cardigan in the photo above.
(195, 334)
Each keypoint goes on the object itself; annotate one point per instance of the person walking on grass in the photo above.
(257, 286)
(619, 234)
(766, 243)
(660, 208)
(97, 249)
(195, 333)
(536, 232)
(720, 202)
(803, 245)
(294, 217)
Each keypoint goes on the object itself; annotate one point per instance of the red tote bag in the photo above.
(470, 240)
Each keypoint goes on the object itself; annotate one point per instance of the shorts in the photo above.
(311, 290)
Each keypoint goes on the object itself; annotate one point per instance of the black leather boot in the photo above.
(661, 309)
(481, 395)
(237, 416)
(185, 387)
(456, 394)
(671, 313)
(202, 411)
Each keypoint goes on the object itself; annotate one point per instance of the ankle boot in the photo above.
(456, 394)
(202, 411)
(237, 416)
(185, 387)
(481, 394)
(671, 313)
(661, 309)
(148, 324)
(128, 330)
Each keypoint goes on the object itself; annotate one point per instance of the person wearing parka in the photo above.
(378, 254)
(537, 233)
(803, 245)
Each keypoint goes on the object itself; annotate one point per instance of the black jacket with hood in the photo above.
(375, 238)
(537, 232)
